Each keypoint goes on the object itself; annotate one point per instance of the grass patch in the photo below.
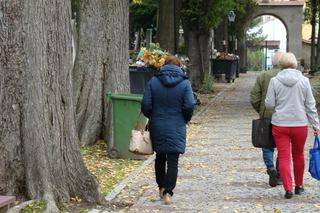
(108, 171)
(207, 85)
(36, 207)
(84, 210)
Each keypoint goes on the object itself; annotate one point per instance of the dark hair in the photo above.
(170, 59)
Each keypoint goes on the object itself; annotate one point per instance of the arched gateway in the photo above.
(291, 14)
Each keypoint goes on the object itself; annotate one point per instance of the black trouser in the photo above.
(166, 179)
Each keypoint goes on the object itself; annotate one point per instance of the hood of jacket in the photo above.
(289, 77)
(171, 75)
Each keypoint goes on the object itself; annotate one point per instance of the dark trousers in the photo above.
(166, 177)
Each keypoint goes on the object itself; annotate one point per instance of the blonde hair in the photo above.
(288, 60)
(276, 58)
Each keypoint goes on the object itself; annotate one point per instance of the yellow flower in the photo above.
(162, 60)
(151, 62)
(157, 65)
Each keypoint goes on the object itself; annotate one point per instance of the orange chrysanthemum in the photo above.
(146, 56)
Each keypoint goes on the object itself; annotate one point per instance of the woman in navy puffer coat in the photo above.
(168, 102)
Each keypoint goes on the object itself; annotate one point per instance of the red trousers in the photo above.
(294, 138)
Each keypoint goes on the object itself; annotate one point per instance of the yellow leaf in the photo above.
(213, 209)
(258, 205)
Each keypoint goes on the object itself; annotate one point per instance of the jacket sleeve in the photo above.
(270, 100)
(146, 105)
(188, 102)
(311, 109)
(256, 95)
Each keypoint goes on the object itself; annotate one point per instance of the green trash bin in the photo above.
(126, 109)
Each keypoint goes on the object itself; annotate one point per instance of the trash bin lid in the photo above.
(131, 97)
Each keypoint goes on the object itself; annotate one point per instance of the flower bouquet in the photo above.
(153, 56)
(223, 55)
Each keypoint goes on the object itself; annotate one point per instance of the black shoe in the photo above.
(298, 190)
(273, 177)
(288, 194)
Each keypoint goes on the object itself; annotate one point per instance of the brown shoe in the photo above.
(161, 190)
(167, 199)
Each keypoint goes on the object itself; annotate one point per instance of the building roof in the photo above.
(281, 2)
(270, 44)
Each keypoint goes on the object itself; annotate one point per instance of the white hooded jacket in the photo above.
(290, 95)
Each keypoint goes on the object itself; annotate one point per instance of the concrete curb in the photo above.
(120, 186)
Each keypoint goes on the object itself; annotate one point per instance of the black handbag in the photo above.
(262, 133)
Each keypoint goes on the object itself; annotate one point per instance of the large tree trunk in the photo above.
(195, 60)
(101, 65)
(242, 52)
(167, 25)
(198, 53)
(204, 43)
(39, 154)
(177, 23)
(116, 73)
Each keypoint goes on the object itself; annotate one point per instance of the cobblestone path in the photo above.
(221, 171)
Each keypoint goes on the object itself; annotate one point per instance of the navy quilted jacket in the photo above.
(168, 102)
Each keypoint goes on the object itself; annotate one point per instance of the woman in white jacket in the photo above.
(290, 96)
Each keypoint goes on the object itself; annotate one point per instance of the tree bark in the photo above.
(101, 65)
(166, 25)
(204, 43)
(198, 53)
(39, 154)
(195, 60)
(177, 23)
(116, 69)
(242, 52)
